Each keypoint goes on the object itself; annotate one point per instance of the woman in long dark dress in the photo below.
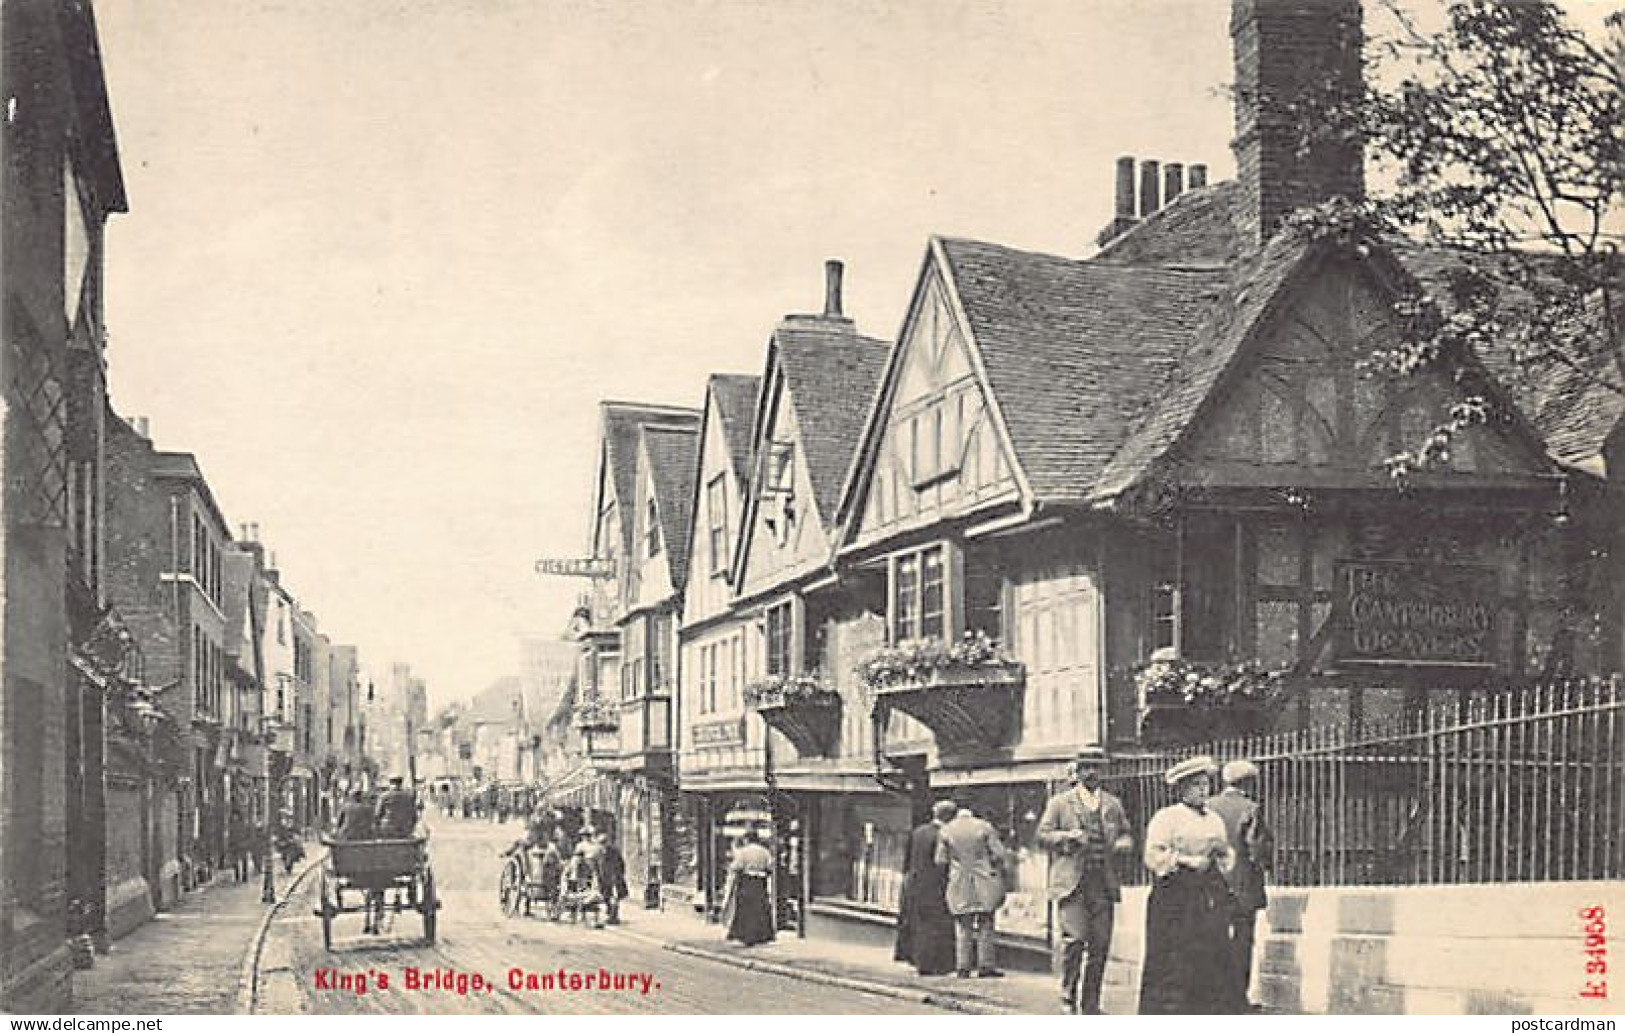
(925, 928)
(749, 909)
(1188, 963)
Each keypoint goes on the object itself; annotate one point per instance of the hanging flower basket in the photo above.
(597, 715)
(800, 708)
(968, 693)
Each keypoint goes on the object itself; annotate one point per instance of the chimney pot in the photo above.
(1125, 186)
(833, 269)
(1149, 174)
(1173, 181)
(1198, 177)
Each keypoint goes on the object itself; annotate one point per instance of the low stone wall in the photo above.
(1418, 950)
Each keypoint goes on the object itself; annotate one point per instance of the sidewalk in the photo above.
(854, 965)
(188, 960)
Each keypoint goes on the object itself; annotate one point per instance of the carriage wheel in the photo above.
(327, 914)
(511, 890)
(430, 906)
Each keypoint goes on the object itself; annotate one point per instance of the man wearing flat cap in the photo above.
(1082, 829)
(1252, 842)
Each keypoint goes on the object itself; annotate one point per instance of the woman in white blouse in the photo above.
(1187, 967)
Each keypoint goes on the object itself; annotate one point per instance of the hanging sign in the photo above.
(1421, 614)
(589, 567)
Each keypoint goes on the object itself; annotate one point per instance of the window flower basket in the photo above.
(967, 692)
(1183, 700)
(597, 715)
(800, 708)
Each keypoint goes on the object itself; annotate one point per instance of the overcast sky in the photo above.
(384, 257)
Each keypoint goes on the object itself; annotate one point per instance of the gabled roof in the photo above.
(1573, 410)
(831, 376)
(673, 456)
(735, 395)
(1228, 321)
(619, 437)
(1072, 350)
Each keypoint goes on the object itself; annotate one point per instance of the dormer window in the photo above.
(651, 530)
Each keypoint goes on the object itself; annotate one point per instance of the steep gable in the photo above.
(722, 472)
(937, 447)
(671, 455)
(1271, 372)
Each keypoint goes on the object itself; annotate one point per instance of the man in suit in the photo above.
(1253, 844)
(1082, 828)
(976, 862)
(397, 815)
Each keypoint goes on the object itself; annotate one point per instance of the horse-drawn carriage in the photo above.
(374, 868)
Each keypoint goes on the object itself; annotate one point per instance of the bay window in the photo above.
(779, 639)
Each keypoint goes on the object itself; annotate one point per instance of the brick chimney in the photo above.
(1292, 54)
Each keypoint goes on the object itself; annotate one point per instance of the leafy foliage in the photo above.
(778, 690)
(1500, 141)
(1172, 680)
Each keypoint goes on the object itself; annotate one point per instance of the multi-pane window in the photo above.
(716, 515)
(779, 639)
(918, 596)
(659, 651)
(778, 491)
(708, 678)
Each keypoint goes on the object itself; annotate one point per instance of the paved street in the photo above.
(475, 938)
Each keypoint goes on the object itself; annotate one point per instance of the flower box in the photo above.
(801, 709)
(597, 715)
(967, 693)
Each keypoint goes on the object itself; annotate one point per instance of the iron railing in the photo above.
(1519, 785)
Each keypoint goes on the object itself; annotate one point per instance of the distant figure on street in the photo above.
(397, 814)
(611, 877)
(925, 927)
(1187, 968)
(356, 819)
(747, 907)
(1253, 845)
(1082, 829)
(976, 862)
(238, 846)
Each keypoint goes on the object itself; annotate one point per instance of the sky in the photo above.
(383, 258)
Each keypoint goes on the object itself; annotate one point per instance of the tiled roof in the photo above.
(622, 421)
(1573, 406)
(1573, 410)
(832, 375)
(673, 453)
(1197, 228)
(1072, 350)
(1252, 285)
(736, 402)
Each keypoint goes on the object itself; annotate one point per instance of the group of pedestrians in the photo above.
(1206, 852)
(580, 880)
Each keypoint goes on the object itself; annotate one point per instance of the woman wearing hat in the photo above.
(1187, 967)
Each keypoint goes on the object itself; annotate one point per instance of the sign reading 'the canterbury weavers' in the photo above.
(1394, 612)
